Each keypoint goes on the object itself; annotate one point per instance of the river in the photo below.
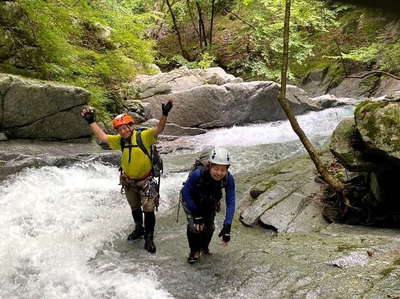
(63, 230)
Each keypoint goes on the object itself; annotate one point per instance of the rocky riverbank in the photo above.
(330, 260)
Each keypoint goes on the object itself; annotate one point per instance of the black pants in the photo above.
(199, 239)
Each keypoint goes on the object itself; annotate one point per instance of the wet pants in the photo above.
(199, 239)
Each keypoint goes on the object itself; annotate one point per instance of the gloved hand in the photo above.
(225, 233)
(166, 108)
(198, 223)
(89, 114)
(198, 220)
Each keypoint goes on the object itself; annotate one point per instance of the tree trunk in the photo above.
(201, 24)
(212, 20)
(336, 185)
(155, 32)
(194, 25)
(183, 52)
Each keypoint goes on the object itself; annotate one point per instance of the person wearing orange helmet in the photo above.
(136, 167)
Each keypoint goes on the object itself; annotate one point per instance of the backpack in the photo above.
(157, 165)
(202, 161)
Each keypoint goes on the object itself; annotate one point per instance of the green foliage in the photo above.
(307, 18)
(178, 60)
(206, 60)
(97, 45)
(387, 55)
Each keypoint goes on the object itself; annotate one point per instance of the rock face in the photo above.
(211, 106)
(35, 109)
(211, 98)
(284, 200)
(373, 132)
(181, 79)
(379, 125)
(369, 145)
(320, 82)
(342, 146)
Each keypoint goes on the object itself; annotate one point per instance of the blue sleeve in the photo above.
(189, 189)
(230, 199)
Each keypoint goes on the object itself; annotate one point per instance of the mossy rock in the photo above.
(379, 124)
(261, 187)
(341, 147)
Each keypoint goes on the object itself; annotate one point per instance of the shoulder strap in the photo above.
(129, 146)
(141, 145)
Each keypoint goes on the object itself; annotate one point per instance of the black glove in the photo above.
(166, 108)
(198, 220)
(88, 114)
(225, 233)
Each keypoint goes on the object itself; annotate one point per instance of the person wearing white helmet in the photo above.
(201, 197)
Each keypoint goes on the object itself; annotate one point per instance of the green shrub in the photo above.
(61, 41)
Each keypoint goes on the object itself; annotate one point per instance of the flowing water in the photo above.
(62, 228)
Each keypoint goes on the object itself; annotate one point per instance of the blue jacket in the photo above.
(190, 193)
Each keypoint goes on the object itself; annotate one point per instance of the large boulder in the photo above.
(37, 109)
(378, 123)
(210, 106)
(285, 198)
(342, 147)
(181, 79)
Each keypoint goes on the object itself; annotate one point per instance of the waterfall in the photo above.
(53, 223)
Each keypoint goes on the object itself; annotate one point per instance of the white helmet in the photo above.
(220, 156)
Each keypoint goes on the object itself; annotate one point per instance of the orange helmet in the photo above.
(122, 119)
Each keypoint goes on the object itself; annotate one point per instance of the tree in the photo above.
(336, 185)
(178, 34)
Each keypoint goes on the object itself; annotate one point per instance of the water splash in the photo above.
(320, 123)
(53, 222)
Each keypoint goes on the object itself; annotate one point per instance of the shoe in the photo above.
(205, 251)
(193, 257)
(136, 234)
(149, 243)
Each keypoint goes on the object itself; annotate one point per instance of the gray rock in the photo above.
(316, 83)
(60, 126)
(285, 199)
(341, 147)
(265, 201)
(211, 106)
(329, 101)
(3, 137)
(38, 109)
(351, 260)
(379, 123)
(181, 79)
(172, 129)
(281, 215)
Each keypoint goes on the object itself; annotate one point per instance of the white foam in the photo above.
(320, 123)
(53, 222)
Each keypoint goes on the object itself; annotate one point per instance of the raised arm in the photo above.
(163, 119)
(89, 114)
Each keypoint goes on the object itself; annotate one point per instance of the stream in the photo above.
(64, 229)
